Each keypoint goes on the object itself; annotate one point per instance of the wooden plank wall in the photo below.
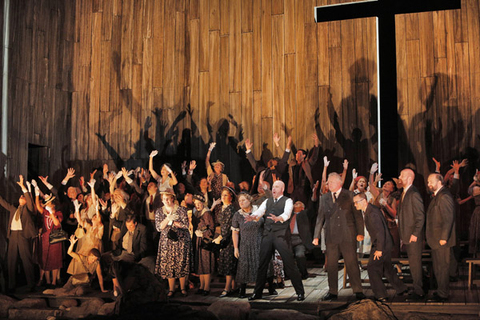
(219, 70)
(40, 84)
(176, 74)
(438, 71)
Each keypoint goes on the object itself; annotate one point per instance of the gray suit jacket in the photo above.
(441, 219)
(342, 220)
(411, 215)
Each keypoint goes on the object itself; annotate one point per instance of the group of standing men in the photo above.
(340, 213)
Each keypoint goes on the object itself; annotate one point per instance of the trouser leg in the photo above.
(291, 269)
(414, 252)
(349, 254)
(266, 253)
(332, 268)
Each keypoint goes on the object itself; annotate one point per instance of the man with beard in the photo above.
(440, 233)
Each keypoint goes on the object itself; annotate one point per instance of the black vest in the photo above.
(276, 209)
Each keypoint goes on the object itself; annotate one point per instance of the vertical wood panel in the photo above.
(214, 18)
(158, 40)
(127, 45)
(235, 44)
(247, 84)
(278, 71)
(247, 15)
(204, 34)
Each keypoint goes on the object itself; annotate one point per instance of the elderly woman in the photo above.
(227, 263)
(51, 259)
(173, 259)
(247, 237)
(166, 179)
(204, 259)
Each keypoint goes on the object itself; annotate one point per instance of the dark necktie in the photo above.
(150, 205)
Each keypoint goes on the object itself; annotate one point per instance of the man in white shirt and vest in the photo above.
(275, 237)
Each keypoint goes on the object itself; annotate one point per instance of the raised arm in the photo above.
(207, 158)
(344, 173)
(354, 176)
(373, 187)
(150, 165)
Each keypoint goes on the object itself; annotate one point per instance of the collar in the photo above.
(406, 189)
(435, 193)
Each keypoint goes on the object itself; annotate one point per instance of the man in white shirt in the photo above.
(275, 235)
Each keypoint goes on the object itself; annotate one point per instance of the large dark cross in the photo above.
(385, 11)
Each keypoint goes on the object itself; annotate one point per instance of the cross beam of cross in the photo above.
(384, 11)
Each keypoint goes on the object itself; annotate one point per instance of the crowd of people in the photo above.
(188, 227)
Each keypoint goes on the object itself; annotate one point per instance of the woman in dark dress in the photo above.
(204, 259)
(247, 237)
(227, 263)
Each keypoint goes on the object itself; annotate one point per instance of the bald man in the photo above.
(411, 222)
(276, 236)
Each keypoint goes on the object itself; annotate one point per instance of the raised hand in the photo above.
(345, 164)
(315, 139)
(378, 178)
(70, 173)
(437, 164)
(464, 163)
(193, 165)
(77, 205)
(354, 174)
(374, 168)
(248, 144)
(92, 174)
(276, 139)
(325, 161)
(153, 153)
(34, 183)
(20, 183)
(91, 183)
(212, 146)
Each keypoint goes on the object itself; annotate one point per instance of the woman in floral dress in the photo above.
(173, 258)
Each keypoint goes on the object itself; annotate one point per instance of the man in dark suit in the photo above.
(343, 227)
(301, 180)
(380, 260)
(20, 232)
(132, 242)
(275, 167)
(411, 220)
(275, 236)
(440, 232)
(301, 236)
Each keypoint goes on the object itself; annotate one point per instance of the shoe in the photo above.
(281, 285)
(273, 292)
(413, 297)
(401, 293)
(242, 295)
(360, 296)
(301, 297)
(234, 291)
(437, 298)
(329, 296)
(205, 293)
(184, 293)
(224, 294)
(199, 291)
(383, 300)
(255, 296)
(304, 276)
(170, 294)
